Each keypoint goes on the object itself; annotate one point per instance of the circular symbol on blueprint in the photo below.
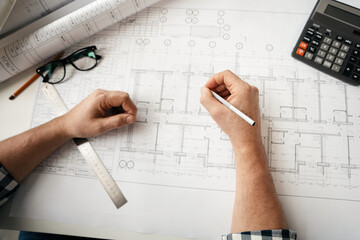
(220, 21)
(191, 43)
(122, 164)
(130, 164)
(188, 20)
(195, 20)
(189, 12)
(227, 27)
(239, 45)
(195, 12)
(167, 42)
(163, 19)
(221, 13)
(146, 41)
(269, 47)
(212, 44)
(226, 36)
(139, 41)
(164, 11)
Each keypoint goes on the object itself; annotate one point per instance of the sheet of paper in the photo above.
(28, 11)
(64, 32)
(174, 164)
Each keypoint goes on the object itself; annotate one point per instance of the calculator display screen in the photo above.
(343, 15)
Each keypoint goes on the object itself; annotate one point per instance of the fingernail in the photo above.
(130, 119)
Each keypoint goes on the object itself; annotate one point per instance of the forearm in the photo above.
(22, 153)
(257, 206)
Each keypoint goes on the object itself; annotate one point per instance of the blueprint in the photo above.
(26, 51)
(174, 162)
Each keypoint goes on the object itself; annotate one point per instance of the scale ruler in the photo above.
(87, 151)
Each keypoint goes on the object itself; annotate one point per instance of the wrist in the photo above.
(62, 128)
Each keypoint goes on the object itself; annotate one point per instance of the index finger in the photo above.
(121, 99)
(227, 78)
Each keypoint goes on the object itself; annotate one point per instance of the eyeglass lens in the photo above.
(83, 60)
(55, 72)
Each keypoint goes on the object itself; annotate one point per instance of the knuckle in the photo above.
(247, 87)
(125, 95)
(228, 72)
(98, 92)
(256, 90)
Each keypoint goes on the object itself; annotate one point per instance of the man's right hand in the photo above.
(89, 118)
(242, 96)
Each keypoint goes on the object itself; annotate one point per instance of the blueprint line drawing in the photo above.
(163, 56)
(306, 115)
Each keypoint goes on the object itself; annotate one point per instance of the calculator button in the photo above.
(353, 59)
(300, 52)
(357, 69)
(356, 52)
(311, 29)
(348, 69)
(327, 64)
(318, 37)
(307, 39)
(339, 61)
(339, 38)
(303, 45)
(336, 44)
(310, 33)
(355, 77)
(328, 32)
(324, 47)
(330, 57)
(316, 26)
(345, 48)
(336, 68)
(333, 51)
(357, 45)
(315, 43)
(328, 40)
(312, 49)
(309, 55)
(321, 53)
(342, 55)
(319, 60)
(349, 42)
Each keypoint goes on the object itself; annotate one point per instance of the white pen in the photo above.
(234, 109)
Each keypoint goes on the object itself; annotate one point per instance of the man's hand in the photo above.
(242, 96)
(88, 118)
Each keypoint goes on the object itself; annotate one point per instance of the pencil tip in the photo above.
(12, 97)
(254, 124)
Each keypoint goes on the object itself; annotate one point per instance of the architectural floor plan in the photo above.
(165, 54)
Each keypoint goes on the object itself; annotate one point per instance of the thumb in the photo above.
(117, 121)
(211, 104)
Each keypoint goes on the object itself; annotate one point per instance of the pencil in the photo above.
(234, 109)
(32, 79)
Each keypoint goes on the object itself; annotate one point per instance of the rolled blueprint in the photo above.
(64, 32)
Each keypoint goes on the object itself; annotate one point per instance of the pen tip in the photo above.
(12, 97)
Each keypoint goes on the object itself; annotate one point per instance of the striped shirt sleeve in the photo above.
(8, 185)
(281, 234)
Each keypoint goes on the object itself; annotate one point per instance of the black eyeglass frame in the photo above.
(67, 60)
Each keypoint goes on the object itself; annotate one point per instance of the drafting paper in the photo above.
(174, 165)
(29, 50)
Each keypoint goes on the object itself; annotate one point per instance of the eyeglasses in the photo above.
(83, 59)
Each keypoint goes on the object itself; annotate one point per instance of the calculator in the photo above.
(330, 41)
